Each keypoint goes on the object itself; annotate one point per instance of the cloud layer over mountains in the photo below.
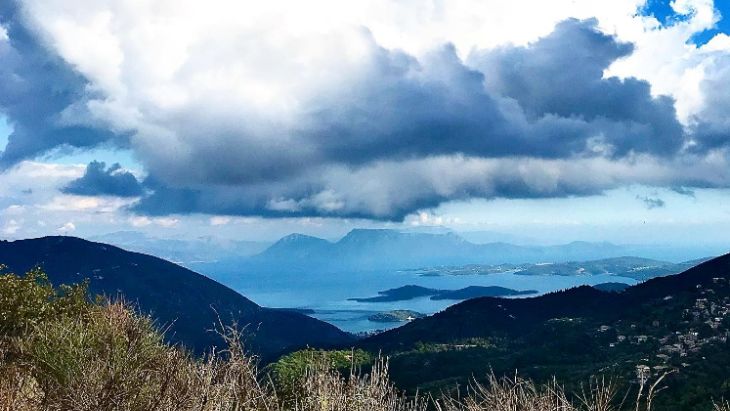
(274, 116)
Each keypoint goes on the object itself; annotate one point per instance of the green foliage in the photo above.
(291, 368)
(66, 353)
(110, 340)
(30, 300)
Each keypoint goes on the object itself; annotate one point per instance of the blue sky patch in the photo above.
(663, 12)
(5, 130)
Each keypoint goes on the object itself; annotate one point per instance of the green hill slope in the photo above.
(189, 303)
(678, 324)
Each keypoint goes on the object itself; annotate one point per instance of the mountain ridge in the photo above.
(672, 324)
(189, 303)
(372, 249)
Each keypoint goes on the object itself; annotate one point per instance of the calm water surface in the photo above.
(328, 294)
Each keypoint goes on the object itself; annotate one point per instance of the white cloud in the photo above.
(33, 183)
(219, 220)
(165, 67)
(67, 228)
(666, 57)
(14, 210)
(283, 204)
(11, 227)
(143, 221)
(167, 221)
(721, 42)
(29, 192)
(140, 221)
(85, 204)
(269, 59)
(162, 67)
(3, 33)
(427, 219)
(35, 175)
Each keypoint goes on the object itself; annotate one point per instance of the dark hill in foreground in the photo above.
(678, 324)
(187, 302)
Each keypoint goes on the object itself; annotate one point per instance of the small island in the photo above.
(409, 292)
(395, 316)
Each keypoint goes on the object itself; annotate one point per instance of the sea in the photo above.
(328, 295)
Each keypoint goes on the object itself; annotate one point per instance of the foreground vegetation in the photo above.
(677, 324)
(60, 351)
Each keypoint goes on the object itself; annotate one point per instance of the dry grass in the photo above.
(60, 353)
(325, 389)
(110, 358)
(113, 359)
(517, 394)
(509, 394)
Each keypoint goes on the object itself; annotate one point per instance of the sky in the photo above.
(598, 120)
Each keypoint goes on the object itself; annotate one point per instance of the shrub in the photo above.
(515, 393)
(61, 352)
(30, 300)
(289, 370)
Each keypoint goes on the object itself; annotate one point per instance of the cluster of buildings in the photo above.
(706, 321)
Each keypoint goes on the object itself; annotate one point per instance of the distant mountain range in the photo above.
(391, 249)
(189, 303)
(678, 324)
(378, 249)
(179, 251)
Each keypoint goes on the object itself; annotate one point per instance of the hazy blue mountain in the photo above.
(373, 249)
(186, 252)
(190, 303)
(296, 247)
(487, 237)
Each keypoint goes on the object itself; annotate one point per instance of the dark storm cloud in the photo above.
(562, 75)
(36, 87)
(391, 190)
(548, 99)
(100, 180)
(711, 127)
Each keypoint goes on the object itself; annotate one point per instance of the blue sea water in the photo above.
(328, 294)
